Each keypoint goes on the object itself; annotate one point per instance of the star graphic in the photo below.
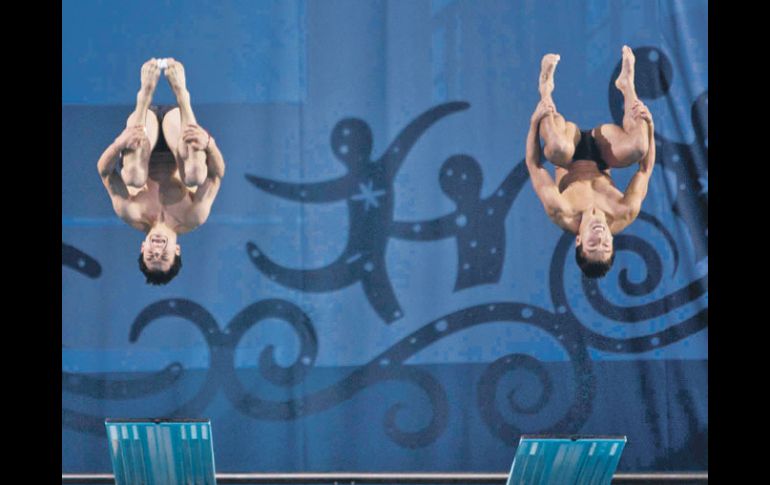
(368, 195)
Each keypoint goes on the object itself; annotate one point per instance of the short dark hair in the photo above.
(160, 277)
(593, 269)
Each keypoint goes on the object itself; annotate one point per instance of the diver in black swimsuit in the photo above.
(583, 199)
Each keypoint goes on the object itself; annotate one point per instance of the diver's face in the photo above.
(596, 238)
(159, 250)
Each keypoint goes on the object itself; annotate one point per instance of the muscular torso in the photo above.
(584, 186)
(165, 198)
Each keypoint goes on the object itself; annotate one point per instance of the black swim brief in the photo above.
(587, 149)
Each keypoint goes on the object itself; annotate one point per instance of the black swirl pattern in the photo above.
(81, 262)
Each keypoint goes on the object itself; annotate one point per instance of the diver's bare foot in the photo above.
(547, 68)
(150, 75)
(625, 80)
(175, 76)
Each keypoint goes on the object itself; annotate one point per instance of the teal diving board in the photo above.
(566, 460)
(161, 451)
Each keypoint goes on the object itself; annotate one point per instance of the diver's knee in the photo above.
(195, 173)
(134, 175)
(637, 150)
(559, 152)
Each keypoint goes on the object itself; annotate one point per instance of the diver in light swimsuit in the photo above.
(166, 184)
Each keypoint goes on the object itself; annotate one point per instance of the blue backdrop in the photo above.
(378, 287)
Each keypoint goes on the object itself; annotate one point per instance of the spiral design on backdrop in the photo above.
(563, 326)
(665, 306)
